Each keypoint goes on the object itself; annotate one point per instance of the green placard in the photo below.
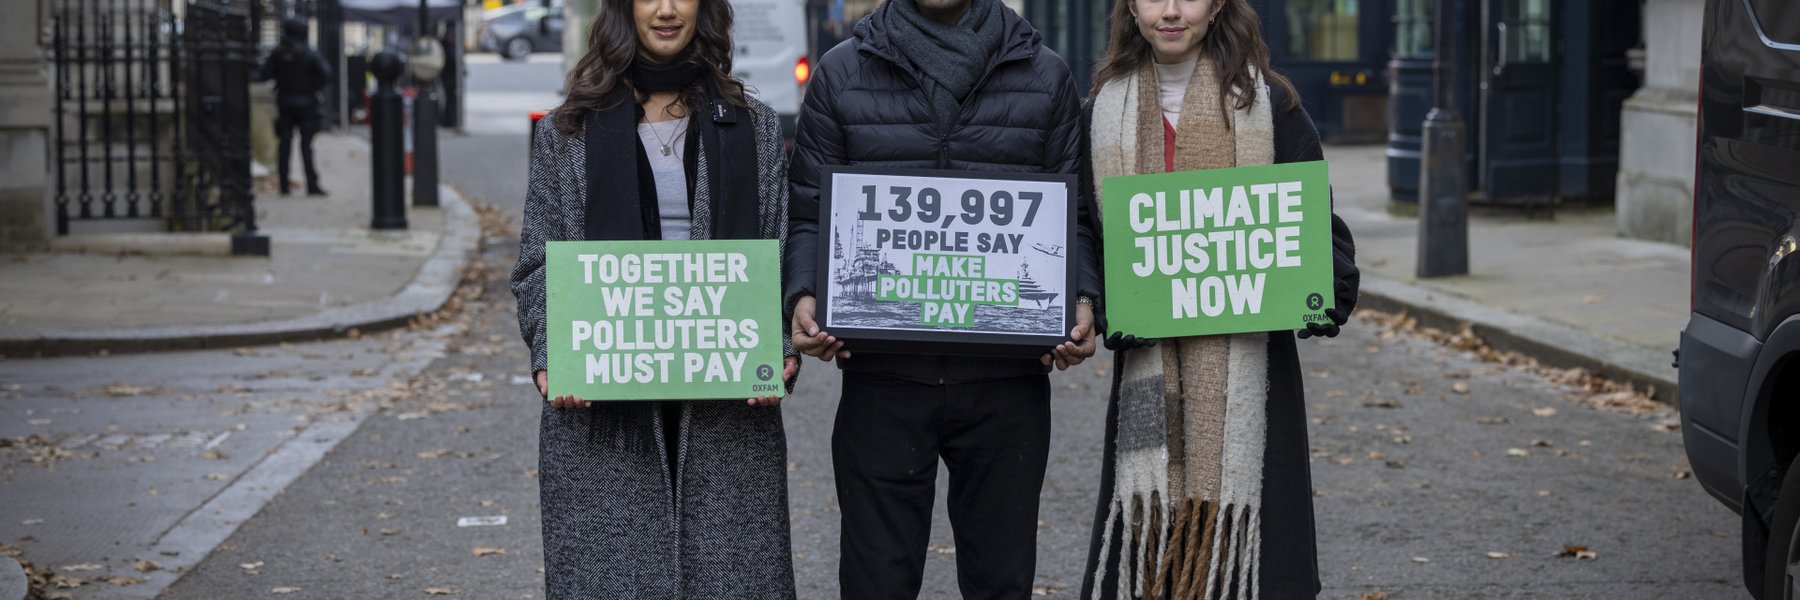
(664, 320)
(1218, 251)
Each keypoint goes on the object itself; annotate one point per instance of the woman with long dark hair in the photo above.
(1205, 491)
(657, 141)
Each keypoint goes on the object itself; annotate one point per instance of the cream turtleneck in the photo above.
(1172, 83)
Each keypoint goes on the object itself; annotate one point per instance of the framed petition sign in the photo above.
(1218, 251)
(664, 320)
(942, 262)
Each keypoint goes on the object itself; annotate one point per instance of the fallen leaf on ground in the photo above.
(1459, 387)
(434, 453)
(1579, 552)
(485, 550)
(1045, 590)
(1518, 452)
(1544, 443)
(440, 591)
(217, 476)
(284, 590)
(31, 521)
(81, 567)
(941, 549)
(1382, 403)
(1498, 555)
(146, 566)
(1544, 411)
(1543, 493)
(1420, 559)
(122, 580)
(1493, 420)
(250, 566)
(1374, 596)
(121, 389)
(213, 455)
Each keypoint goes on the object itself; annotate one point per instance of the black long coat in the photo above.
(1290, 567)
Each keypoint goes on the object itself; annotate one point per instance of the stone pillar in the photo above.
(1656, 155)
(24, 128)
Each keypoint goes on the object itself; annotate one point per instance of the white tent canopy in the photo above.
(400, 12)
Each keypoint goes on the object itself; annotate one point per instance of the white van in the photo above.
(771, 54)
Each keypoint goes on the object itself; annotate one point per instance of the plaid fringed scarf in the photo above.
(1191, 420)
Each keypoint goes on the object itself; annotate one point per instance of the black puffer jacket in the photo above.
(865, 107)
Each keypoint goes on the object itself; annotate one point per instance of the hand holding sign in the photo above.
(1081, 341)
(809, 339)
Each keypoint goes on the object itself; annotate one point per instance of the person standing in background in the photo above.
(299, 74)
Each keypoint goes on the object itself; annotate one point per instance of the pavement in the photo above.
(1561, 286)
(327, 273)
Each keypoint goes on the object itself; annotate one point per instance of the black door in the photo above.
(1518, 158)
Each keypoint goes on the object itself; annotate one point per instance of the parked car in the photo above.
(517, 30)
(1740, 352)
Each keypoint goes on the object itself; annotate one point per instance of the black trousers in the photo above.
(994, 436)
(307, 122)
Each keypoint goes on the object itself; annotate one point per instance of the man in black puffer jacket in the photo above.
(938, 84)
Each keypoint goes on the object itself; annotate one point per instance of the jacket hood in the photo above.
(1021, 40)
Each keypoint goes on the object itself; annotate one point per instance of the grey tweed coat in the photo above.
(615, 524)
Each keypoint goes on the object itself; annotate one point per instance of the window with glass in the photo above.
(1526, 31)
(1322, 30)
(1413, 23)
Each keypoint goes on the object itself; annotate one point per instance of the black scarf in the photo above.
(950, 59)
(622, 202)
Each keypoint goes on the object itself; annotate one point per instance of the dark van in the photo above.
(1740, 351)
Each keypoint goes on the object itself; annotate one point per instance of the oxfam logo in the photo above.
(1315, 301)
(765, 372)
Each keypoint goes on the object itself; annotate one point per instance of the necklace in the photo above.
(666, 150)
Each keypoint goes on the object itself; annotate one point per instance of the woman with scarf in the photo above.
(657, 141)
(1206, 492)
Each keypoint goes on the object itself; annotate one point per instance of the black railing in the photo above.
(152, 113)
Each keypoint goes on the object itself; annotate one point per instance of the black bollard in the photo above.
(388, 161)
(427, 60)
(1443, 174)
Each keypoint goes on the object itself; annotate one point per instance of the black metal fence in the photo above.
(152, 113)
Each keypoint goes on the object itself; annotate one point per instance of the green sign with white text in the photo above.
(664, 320)
(1218, 251)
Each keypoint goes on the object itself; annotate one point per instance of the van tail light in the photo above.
(802, 71)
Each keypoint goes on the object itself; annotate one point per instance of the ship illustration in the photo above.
(1029, 288)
